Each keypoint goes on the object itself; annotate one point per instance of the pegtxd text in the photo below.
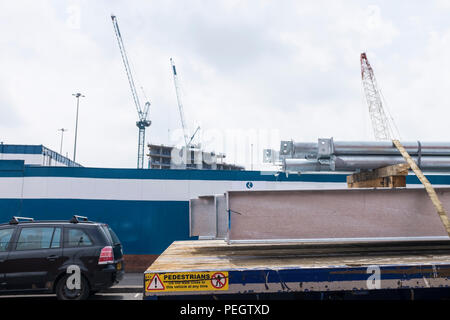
(226, 309)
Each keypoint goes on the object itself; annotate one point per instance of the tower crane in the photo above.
(143, 122)
(187, 140)
(380, 122)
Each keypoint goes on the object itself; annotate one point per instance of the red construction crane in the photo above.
(380, 122)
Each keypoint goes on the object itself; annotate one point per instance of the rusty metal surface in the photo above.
(334, 214)
(218, 255)
(306, 267)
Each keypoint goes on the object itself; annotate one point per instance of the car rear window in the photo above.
(111, 235)
(76, 238)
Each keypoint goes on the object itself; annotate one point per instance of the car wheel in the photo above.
(64, 293)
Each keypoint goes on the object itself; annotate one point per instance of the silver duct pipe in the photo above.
(328, 155)
(309, 150)
(303, 165)
(354, 163)
(387, 148)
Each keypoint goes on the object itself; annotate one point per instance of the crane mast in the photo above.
(380, 122)
(143, 122)
(180, 104)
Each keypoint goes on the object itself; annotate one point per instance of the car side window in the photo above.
(76, 238)
(56, 240)
(5, 237)
(37, 238)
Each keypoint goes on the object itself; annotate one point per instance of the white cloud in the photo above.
(443, 4)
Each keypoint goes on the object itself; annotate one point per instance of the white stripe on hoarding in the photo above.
(136, 189)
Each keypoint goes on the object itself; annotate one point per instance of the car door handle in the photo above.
(52, 257)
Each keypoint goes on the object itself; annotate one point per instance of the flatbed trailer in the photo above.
(213, 269)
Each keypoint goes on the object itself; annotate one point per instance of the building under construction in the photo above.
(169, 157)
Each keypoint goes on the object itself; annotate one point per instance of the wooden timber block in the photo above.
(393, 170)
(381, 182)
(393, 176)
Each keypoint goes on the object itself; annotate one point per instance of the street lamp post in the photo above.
(62, 137)
(76, 95)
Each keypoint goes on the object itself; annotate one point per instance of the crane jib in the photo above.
(142, 114)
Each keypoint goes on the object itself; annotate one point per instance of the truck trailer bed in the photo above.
(213, 267)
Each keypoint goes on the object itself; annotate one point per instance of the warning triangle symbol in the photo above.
(156, 284)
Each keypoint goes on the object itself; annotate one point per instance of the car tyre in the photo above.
(64, 293)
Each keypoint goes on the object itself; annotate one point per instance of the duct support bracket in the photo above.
(325, 148)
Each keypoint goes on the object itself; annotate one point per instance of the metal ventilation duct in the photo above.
(328, 155)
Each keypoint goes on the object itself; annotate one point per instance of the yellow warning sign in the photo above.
(186, 281)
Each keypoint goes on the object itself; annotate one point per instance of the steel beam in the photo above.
(308, 215)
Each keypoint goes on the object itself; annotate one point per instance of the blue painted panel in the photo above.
(330, 274)
(434, 179)
(112, 173)
(12, 165)
(21, 149)
(144, 227)
(9, 208)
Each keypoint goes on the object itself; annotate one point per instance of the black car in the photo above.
(73, 258)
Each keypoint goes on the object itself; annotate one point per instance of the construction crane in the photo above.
(143, 122)
(192, 137)
(187, 140)
(380, 122)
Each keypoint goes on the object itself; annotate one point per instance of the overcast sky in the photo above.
(252, 72)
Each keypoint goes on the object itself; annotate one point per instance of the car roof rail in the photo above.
(16, 220)
(76, 219)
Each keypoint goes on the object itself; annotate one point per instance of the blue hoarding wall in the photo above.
(144, 227)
